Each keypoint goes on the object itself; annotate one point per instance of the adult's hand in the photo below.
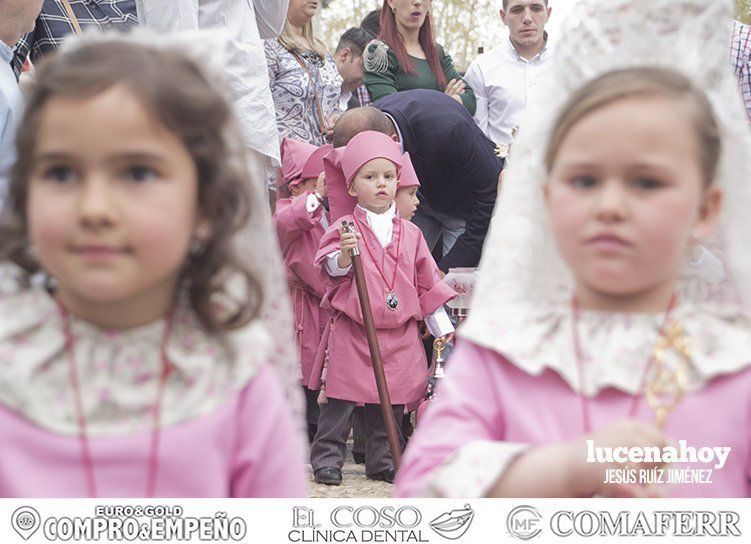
(455, 88)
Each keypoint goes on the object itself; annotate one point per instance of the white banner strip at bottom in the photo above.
(433, 521)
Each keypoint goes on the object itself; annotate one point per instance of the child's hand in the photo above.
(561, 469)
(588, 479)
(321, 185)
(347, 242)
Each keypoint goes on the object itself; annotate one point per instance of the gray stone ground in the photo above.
(354, 483)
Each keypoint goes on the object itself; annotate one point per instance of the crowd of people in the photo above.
(185, 184)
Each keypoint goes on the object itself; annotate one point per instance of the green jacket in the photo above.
(382, 80)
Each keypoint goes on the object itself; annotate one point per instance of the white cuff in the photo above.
(312, 203)
(473, 470)
(438, 323)
(332, 265)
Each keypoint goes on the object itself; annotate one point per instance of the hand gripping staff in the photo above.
(375, 352)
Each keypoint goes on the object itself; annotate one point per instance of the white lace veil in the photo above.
(521, 271)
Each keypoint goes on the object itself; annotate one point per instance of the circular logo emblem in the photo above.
(524, 522)
(25, 521)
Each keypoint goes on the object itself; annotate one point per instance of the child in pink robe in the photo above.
(404, 286)
(300, 223)
(627, 333)
(138, 355)
(406, 196)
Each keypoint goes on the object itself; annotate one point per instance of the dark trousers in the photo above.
(311, 412)
(330, 444)
(358, 430)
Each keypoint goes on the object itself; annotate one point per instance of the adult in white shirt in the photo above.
(249, 21)
(504, 79)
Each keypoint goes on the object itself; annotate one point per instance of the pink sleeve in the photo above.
(292, 218)
(467, 409)
(432, 292)
(270, 453)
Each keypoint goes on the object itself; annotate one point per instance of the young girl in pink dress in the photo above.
(300, 223)
(600, 320)
(404, 286)
(132, 350)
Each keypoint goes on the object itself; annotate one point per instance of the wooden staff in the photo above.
(375, 352)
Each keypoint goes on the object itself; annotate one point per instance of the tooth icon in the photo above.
(452, 525)
(25, 521)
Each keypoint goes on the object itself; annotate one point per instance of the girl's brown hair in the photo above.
(647, 82)
(177, 92)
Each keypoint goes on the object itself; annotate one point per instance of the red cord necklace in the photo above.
(586, 418)
(392, 300)
(83, 437)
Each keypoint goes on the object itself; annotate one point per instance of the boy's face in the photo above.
(407, 202)
(374, 185)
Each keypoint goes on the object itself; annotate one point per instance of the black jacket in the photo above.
(455, 162)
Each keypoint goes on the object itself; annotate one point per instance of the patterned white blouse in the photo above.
(293, 94)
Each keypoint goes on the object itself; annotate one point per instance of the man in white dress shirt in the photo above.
(504, 79)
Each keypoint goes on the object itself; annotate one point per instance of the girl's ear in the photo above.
(709, 213)
(352, 191)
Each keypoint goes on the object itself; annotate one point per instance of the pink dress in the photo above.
(226, 429)
(489, 410)
(300, 233)
(230, 452)
(349, 374)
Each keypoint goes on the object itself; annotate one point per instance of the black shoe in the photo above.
(329, 476)
(387, 475)
(359, 457)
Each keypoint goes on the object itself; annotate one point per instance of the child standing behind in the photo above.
(404, 286)
(300, 222)
(133, 359)
(406, 195)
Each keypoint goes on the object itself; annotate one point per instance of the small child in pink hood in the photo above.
(404, 286)
(300, 223)
(406, 199)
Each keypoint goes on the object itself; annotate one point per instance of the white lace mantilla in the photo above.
(118, 370)
(616, 346)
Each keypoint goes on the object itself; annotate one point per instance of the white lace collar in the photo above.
(118, 371)
(615, 346)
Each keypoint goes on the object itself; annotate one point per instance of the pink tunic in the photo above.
(418, 285)
(230, 452)
(300, 233)
(486, 398)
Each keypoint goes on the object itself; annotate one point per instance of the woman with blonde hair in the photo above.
(304, 80)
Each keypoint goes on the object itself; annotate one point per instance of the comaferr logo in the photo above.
(525, 523)
(589, 523)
